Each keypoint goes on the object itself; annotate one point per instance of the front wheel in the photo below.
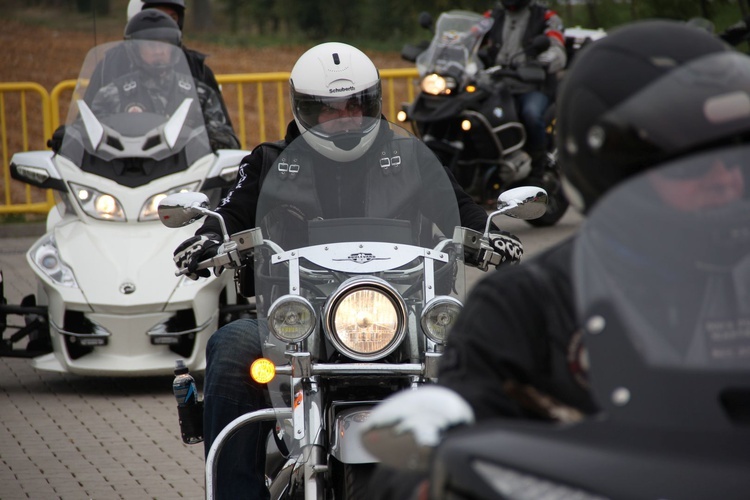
(557, 203)
(351, 481)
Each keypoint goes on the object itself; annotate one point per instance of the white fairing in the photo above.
(105, 266)
(108, 257)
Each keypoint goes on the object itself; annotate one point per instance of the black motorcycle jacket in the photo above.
(117, 58)
(239, 206)
(516, 350)
(137, 91)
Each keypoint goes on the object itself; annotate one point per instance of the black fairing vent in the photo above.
(76, 322)
(183, 320)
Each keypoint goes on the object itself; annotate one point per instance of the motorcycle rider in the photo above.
(152, 70)
(535, 365)
(196, 60)
(330, 84)
(509, 42)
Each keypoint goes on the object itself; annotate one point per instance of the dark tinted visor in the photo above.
(167, 35)
(700, 103)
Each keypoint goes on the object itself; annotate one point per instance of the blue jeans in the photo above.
(531, 108)
(228, 392)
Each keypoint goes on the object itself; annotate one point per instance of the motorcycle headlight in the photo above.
(98, 205)
(439, 316)
(435, 84)
(365, 318)
(47, 258)
(291, 318)
(149, 212)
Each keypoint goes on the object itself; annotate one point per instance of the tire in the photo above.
(351, 481)
(557, 203)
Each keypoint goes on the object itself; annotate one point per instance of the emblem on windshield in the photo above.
(363, 258)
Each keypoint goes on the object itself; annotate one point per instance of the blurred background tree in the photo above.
(380, 24)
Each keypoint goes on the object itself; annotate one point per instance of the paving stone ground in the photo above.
(72, 437)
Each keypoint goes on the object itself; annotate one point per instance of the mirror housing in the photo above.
(181, 209)
(524, 202)
(425, 20)
(404, 429)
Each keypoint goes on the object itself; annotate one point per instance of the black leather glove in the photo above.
(193, 250)
(507, 245)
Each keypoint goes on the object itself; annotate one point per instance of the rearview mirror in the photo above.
(181, 209)
(524, 202)
(425, 20)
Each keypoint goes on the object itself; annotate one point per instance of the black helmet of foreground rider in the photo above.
(155, 81)
(517, 337)
(526, 32)
(336, 99)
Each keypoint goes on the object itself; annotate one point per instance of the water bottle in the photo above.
(189, 408)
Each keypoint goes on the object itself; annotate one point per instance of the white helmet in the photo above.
(333, 77)
(134, 7)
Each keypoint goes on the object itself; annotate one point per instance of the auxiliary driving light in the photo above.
(466, 125)
(439, 316)
(365, 318)
(291, 318)
(262, 370)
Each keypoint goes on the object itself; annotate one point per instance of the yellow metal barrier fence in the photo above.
(19, 101)
(257, 103)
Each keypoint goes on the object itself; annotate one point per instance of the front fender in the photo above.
(346, 431)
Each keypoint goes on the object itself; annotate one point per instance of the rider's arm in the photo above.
(513, 349)
(220, 132)
(203, 73)
(238, 207)
(472, 215)
(555, 57)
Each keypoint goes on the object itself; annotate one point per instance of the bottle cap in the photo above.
(180, 367)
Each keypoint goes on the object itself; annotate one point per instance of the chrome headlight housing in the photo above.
(365, 319)
(435, 84)
(439, 316)
(98, 205)
(291, 318)
(149, 212)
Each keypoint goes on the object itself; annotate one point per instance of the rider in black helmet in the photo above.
(175, 9)
(514, 40)
(196, 60)
(153, 47)
(516, 349)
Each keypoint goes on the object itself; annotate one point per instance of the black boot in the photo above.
(538, 166)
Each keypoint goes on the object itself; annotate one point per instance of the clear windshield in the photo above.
(135, 107)
(453, 49)
(380, 217)
(667, 254)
